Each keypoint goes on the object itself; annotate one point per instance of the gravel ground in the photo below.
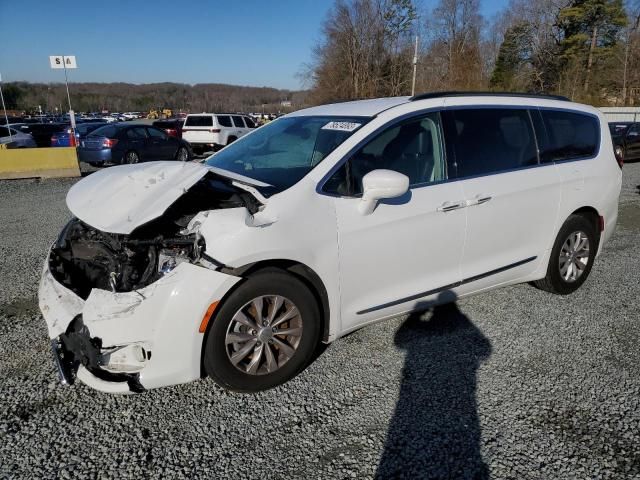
(515, 383)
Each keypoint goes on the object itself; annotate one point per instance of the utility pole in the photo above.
(415, 67)
(6, 119)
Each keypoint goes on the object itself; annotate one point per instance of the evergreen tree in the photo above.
(512, 58)
(591, 30)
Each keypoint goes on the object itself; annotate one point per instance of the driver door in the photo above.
(407, 253)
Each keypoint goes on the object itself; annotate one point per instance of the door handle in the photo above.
(479, 200)
(450, 206)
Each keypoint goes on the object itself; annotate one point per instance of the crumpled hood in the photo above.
(120, 199)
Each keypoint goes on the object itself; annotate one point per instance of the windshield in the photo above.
(285, 150)
(108, 131)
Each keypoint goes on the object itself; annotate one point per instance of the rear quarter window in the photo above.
(199, 121)
(568, 135)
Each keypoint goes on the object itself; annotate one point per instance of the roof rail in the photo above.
(425, 96)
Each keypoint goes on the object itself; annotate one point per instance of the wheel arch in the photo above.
(301, 271)
(591, 214)
(304, 273)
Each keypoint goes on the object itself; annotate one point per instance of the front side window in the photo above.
(570, 135)
(284, 151)
(489, 140)
(413, 148)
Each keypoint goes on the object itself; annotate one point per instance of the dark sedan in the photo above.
(626, 139)
(173, 126)
(125, 143)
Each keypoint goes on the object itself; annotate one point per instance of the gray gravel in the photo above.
(515, 383)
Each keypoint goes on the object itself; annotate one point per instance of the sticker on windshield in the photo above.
(342, 126)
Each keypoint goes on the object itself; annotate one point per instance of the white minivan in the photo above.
(317, 224)
(211, 131)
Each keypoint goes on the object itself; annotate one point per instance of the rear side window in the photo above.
(569, 135)
(224, 120)
(199, 121)
(489, 140)
(155, 133)
(136, 133)
(238, 122)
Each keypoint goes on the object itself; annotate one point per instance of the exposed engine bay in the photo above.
(84, 258)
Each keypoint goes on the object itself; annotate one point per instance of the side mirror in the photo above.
(380, 184)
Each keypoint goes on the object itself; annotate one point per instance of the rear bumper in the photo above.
(132, 341)
(95, 156)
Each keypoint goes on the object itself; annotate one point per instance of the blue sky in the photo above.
(248, 42)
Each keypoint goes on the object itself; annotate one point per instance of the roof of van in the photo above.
(358, 108)
(372, 107)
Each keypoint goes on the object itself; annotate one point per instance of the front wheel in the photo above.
(571, 258)
(264, 334)
(182, 154)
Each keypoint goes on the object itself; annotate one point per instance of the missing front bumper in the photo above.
(76, 349)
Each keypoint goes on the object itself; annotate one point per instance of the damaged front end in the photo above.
(101, 292)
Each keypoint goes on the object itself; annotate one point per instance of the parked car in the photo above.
(62, 139)
(42, 132)
(127, 143)
(14, 138)
(173, 126)
(210, 131)
(317, 224)
(626, 140)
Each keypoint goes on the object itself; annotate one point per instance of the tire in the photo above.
(218, 353)
(230, 140)
(555, 280)
(182, 155)
(131, 157)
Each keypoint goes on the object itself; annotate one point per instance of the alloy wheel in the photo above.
(132, 157)
(264, 334)
(574, 256)
(183, 155)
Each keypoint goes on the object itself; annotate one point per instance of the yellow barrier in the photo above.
(38, 162)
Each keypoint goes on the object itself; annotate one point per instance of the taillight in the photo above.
(619, 153)
(109, 143)
(54, 139)
(171, 131)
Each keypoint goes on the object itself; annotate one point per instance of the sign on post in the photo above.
(63, 61)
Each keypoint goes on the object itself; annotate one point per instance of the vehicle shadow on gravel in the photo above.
(435, 431)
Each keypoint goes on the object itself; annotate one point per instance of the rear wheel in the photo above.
(131, 157)
(572, 256)
(264, 334)
(230, 140)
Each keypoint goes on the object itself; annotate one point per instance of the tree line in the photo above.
(587, 50)
(119, 97)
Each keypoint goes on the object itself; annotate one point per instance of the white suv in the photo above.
(319, 223)
(211, 131)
